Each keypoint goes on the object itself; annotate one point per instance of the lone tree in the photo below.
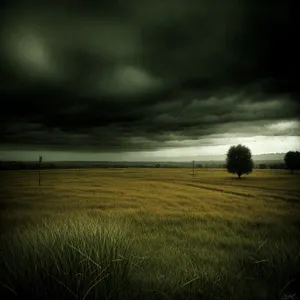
(292, 160)
(239, 160)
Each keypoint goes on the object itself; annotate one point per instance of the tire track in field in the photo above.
(295, 193)
(290, 200)
(219, 190)
(271, 189)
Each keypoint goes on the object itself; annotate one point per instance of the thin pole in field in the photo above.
(193, 167)
(40, 163)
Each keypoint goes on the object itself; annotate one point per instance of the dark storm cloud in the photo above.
(144, 75)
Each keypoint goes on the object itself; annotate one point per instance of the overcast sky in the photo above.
(141, 79)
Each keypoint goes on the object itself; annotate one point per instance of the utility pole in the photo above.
(40, 163)
(193, 167)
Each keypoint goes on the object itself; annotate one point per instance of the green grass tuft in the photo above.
(75, 257)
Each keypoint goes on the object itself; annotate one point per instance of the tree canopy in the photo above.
(292, 160)
(239, 160)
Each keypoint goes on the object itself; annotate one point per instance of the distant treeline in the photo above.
(14, 165)
(271, 166)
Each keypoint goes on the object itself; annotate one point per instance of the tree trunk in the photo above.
(239, 174)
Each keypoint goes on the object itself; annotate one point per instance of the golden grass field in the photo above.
(204, 230)
(267, 194)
